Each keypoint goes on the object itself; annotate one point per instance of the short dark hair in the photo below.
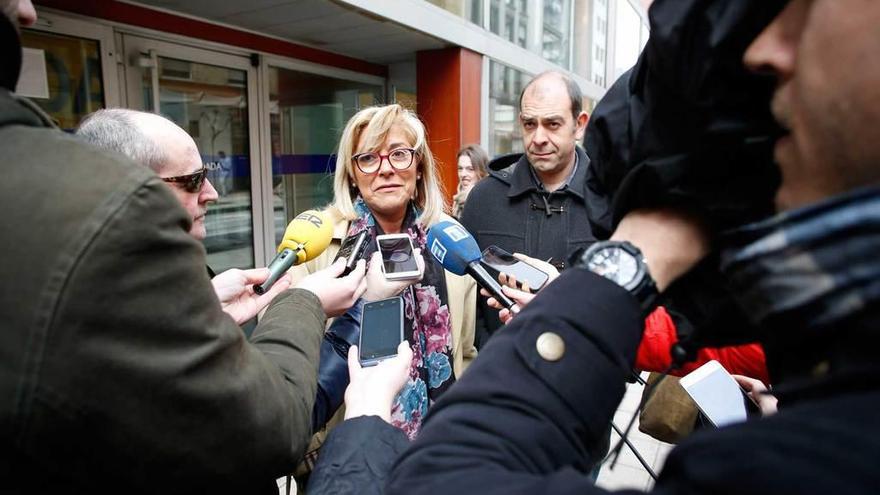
(574, 91)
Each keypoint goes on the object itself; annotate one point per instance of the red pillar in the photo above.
(448, 83)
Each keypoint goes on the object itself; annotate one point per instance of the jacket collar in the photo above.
(515, 170)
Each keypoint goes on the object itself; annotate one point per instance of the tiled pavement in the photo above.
(628, 472)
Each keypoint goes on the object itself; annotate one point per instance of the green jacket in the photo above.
(118, 367)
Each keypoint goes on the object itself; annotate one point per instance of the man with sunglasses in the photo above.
(160, 144)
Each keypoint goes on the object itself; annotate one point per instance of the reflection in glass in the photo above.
(210, 103)
(505, 134)
(627, 38)
(590, 40)
(471, 10)
(307, 115)
(557, 29)
(509, 19)
(73, 69)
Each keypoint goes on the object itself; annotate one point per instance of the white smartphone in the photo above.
(717, 394)
(398, 256)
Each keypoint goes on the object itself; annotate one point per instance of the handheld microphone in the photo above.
(307, 236)
(458, 252)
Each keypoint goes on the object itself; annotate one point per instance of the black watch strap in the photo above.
(644, 290)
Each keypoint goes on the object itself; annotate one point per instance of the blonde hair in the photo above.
(374, 123)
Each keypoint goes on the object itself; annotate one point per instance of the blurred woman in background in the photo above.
(472, 167)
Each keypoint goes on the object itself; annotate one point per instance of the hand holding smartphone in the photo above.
(398, 257)
(717, 395)
(381, 330)
(352, 250)
(497, 260)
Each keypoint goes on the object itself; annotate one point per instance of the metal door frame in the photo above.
(51, 23)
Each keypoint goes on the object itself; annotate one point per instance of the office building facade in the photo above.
(265, 86)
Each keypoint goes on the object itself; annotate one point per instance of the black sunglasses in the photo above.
(191, 183)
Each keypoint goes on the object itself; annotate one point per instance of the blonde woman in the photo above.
(386, 182)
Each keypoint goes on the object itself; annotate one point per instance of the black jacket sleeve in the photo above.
(518, 422)
(333, 376)
(357, 457)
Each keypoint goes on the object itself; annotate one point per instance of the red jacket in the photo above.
(653, 353)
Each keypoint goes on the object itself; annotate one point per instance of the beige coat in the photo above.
(461, 292)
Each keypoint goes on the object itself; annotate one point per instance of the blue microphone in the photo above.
(456, 249)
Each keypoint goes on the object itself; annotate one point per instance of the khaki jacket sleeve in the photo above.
(145, 360)
(462, 294)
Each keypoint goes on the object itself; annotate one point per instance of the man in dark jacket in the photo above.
(533, 203)
(520, 419)
(118, 368)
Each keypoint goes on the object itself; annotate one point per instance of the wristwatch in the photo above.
(623, 264)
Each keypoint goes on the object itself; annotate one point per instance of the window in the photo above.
(515, 24)
(555, 41)
(505, 86)
(307, 114)
(210, 103)
(471, 10)
(73, 82)
(627, 38)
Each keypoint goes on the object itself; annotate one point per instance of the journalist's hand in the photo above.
(510, 280)
(521, 298)
(372, 390)
(379, 287)
(235, 290)
(759, 393)
(336, 294)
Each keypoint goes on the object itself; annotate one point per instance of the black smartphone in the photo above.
(398, 256)
(497, 260)
(381, 330)
(352, 250)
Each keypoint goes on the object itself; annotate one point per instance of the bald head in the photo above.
(156, 142)
(125, 132)
(547, 82)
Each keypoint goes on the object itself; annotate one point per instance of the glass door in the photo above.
(210, 95)
(69, 69)
(307, 112)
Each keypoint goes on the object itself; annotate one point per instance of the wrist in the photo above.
(370, 406)
(671, 241)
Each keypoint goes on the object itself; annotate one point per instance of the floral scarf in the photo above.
(426, 326)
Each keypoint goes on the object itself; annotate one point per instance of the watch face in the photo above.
(615, 264)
